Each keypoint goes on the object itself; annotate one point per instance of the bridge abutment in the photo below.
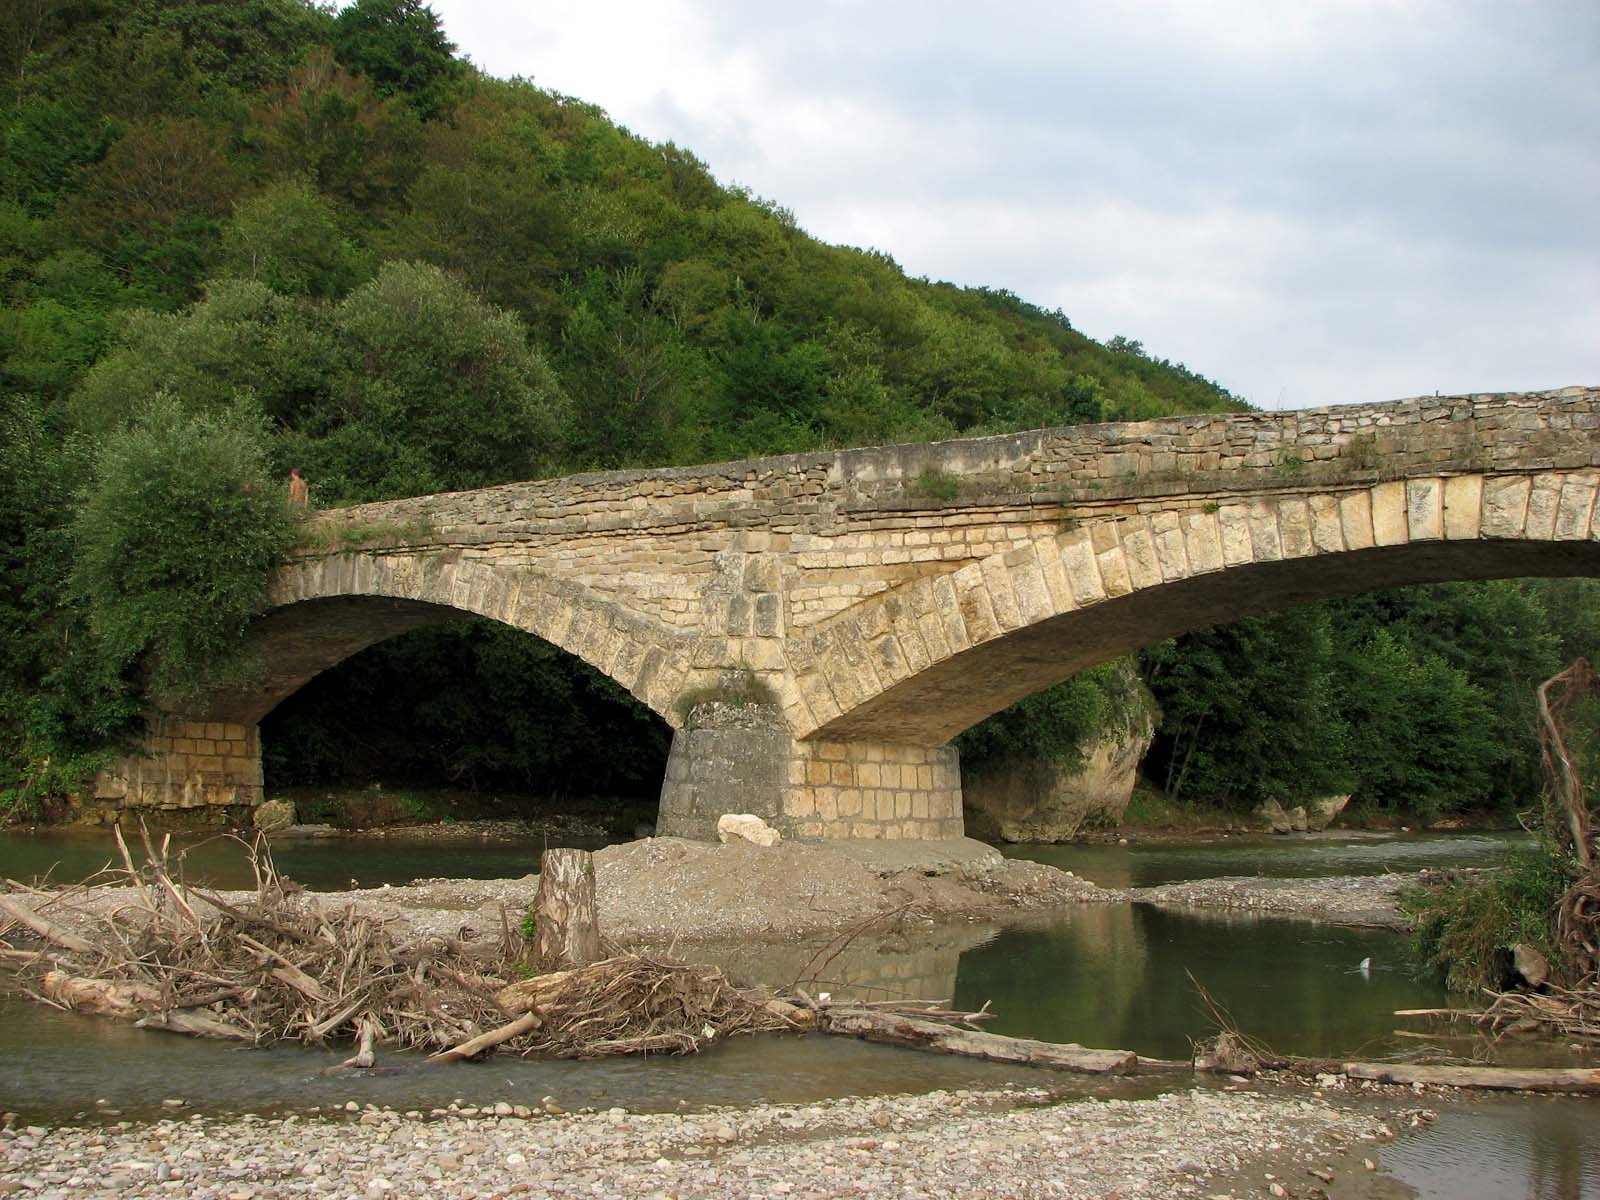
(740, 758)
(185, 764)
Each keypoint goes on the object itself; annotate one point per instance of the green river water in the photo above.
(1101, 976)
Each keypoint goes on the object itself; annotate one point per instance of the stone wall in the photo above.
(766, 547)
(187, 765)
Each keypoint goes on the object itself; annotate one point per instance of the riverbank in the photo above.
(979, 1144)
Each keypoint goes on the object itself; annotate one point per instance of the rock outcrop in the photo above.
(1034, 801)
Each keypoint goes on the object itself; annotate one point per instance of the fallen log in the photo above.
(895, 1030)
(194, 1025)
(1510, 1079)
(124, 1001)
(49, 930)
(473, 1047)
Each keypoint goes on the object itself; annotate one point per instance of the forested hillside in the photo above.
(240, 236)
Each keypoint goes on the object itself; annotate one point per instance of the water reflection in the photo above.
(1530, 1148)
(913, 963)
(1119, 976)
(320, 863)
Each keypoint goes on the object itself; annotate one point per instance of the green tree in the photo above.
(627, 368)
(401, 47)
(436, 391)
(241, 337)
(288, 237)
(173, 541)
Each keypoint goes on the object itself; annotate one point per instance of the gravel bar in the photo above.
(975, 1144)
(1371, 900)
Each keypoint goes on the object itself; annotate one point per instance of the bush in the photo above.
(1460, 927)
(175, 536)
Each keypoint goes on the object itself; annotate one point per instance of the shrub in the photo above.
(1460, 926)
(175, 536)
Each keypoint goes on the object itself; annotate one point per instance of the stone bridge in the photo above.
(817, 627)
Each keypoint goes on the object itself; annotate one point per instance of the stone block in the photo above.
(1463, 507)
(1543, 500)
(1083, 573)
(1424, 509)
(1170, 553)
(1202, 542)
(1577, 502)
(1139, 553)
(1266, 545)
(1355, 520)
(1294, 528)
(1390, 522)
(1505, 505)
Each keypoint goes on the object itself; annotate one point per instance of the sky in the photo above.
(1308, 202)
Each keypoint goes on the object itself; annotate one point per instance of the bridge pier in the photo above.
(740, 758)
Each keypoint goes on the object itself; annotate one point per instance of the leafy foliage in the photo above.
(173, 542)
(1462, 928)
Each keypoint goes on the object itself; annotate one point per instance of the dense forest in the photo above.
(241, 235)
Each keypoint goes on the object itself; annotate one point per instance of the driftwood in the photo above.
(1497, 1078)
(896, 1030)
(472, 1047)
(566, 932)
(126, 1001)
(1577, 682)
(365, 1056)
(47, 929)
(194, 1025)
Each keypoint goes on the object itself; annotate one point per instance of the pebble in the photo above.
(1019, 1144)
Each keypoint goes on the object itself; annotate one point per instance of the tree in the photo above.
(288, 237)
(173, 543)
(626, 367)
(401, 47)
(436, 390)
(240, 337)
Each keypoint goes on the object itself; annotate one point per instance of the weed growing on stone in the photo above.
(934, 483)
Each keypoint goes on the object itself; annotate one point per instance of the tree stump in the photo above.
(566, 933)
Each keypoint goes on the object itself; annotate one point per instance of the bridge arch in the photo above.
(925, 660)
(326, 609)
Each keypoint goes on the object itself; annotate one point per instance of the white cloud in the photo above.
(1311, 203)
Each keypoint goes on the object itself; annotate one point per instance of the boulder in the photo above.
(273, 816)
(1297, 819)
(1530, 964)
(746, 827)
(1323, 811)
(1273, 814)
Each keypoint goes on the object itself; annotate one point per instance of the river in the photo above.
(1107, 976)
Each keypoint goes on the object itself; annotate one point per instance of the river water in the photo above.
(1120, 976)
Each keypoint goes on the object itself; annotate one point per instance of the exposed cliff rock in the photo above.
(1034, 801)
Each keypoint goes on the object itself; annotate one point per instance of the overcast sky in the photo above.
(1310, 203)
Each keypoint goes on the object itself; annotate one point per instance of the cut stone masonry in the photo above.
(887, 598)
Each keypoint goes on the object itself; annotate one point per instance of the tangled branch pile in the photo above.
(284, 965)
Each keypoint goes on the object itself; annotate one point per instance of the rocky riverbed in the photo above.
(1371, 900)
(1011, 1144)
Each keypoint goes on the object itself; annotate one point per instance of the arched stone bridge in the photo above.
(816, 627)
